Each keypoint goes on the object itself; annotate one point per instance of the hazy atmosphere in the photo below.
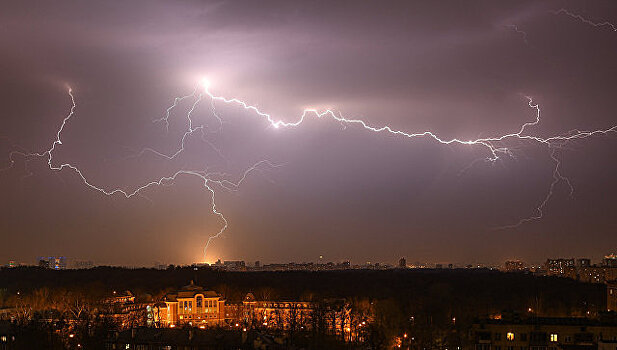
(464, 71)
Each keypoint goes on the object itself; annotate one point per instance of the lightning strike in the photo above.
(552, 142)
(585, 20)
(496, 147)
(515, 28)
(209, 179)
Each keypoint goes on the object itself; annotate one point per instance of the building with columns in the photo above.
(192, 305)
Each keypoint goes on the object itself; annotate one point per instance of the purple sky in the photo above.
(458, 69)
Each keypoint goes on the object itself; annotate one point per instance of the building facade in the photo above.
(514, 266)
(276, 314)
(191, 305)
(611, 296)
(545, 333)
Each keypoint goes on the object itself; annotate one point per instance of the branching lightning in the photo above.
(209, 179)
(496, 147)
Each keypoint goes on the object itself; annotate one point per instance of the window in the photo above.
(554, 337)
(510, 336)
(190, 304)
(497, 336)
(199, 302)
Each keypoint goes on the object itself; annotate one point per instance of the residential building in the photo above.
(544, 333)
(611, 296)
(514, 266)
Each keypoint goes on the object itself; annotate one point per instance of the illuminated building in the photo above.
(233, 265)
(610, 260)
(52, 262)
(583, 270)
(192, 305)
(402, 263)
(545, 333)
(559, 266)
(276, 314)
(334, 315)
(583, 262)
(514, 266)
(125, 297)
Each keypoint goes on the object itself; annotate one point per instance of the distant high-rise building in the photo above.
(610, 260)
(514, 266)
(402, 263)
(82, 264)
(234, 264)
(257, 264)
(583, 262)
(52, 262)
(560, 266)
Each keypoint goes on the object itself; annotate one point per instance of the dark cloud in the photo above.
(457, 69)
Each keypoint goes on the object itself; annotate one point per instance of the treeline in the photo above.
(435, 307)
(485, 291)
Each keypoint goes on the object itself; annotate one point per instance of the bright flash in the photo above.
(205, 83)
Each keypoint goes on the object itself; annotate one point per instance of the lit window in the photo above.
(554, 337)
(199, 302)
(510, 336)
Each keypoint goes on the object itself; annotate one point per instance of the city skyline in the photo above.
(433, 133)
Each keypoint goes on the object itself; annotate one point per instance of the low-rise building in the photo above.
(276, 314)
(545, 333)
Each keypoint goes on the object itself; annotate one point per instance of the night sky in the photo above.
(458, 69)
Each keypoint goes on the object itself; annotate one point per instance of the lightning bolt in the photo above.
(515, 28)
(496, 147)
(209, 179)
(585, 20)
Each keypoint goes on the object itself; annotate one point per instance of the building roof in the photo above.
(552, 321)
(190, 291)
